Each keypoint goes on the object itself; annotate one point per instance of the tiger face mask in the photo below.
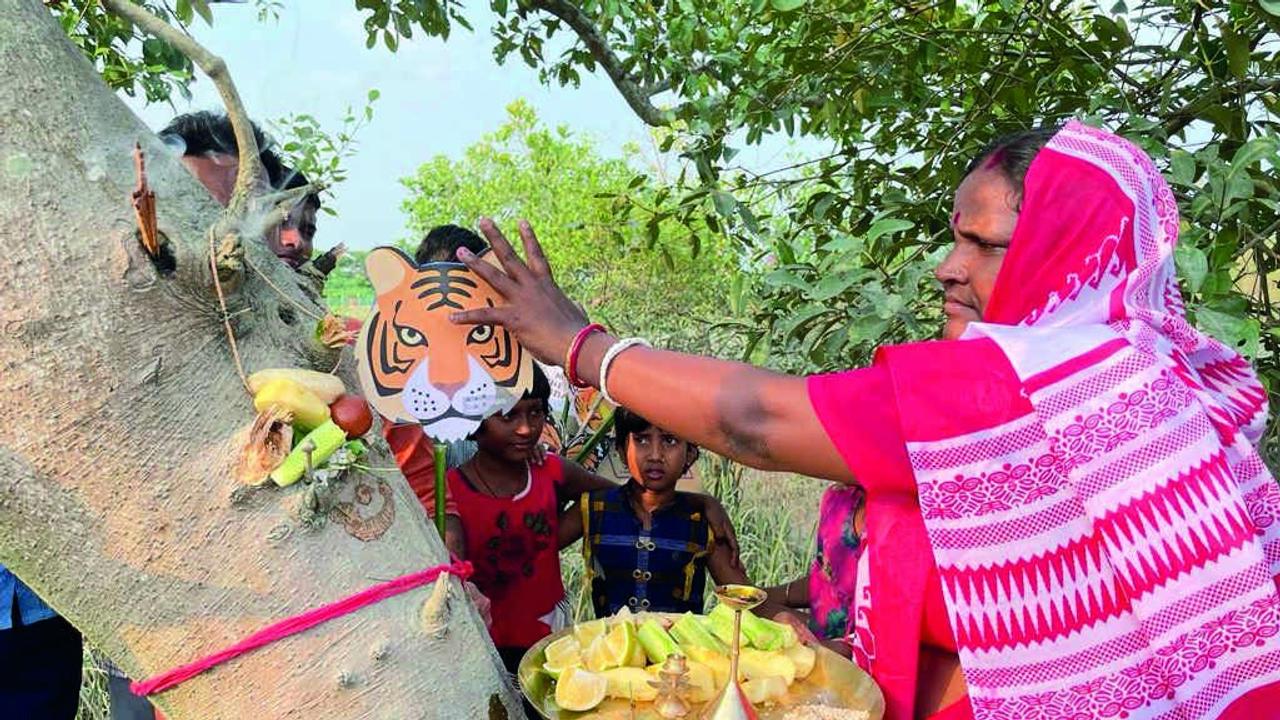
(416, 366)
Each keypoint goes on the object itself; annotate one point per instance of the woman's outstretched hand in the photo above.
(542, 318)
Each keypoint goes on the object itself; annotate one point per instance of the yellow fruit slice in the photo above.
(556, 671)
(718, 663)
(764, 690)
(564, 652)
(702, 682)
(804, 657)
(760, 664)
(597, 657)
(630, 683)
(580, 690)
(621, 643)
(587, 632)
(638, 658)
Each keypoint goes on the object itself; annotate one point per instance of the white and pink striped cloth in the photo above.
(1104, 528)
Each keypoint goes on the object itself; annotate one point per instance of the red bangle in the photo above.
(571, 360)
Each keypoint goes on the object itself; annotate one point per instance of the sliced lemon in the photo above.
(564, 652)
(596, 657)
(630, 683)
(621, 643)
(556, 671)
(638, 657)
(587, 632)
(580, 690)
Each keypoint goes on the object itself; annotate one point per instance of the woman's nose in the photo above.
(951, 269)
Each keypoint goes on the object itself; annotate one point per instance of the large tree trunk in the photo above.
(121, 424)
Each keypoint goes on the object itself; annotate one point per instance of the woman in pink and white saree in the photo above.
(1063, 495)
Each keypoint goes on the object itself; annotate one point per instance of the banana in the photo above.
(325, 386)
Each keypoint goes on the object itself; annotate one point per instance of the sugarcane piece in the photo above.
(656, 641)
(440, 454)
(689, 632)
(314, 449)
(757, 632)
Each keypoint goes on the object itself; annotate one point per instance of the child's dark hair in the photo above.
(442, 242)
(540, 389)
(1013, 155)
(625, 424)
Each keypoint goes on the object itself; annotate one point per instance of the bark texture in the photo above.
(122, 420)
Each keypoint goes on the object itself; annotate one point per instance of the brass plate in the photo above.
(835, 682)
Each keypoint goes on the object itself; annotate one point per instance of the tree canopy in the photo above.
(901, 95)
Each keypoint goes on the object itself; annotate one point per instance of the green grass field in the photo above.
(774, 516)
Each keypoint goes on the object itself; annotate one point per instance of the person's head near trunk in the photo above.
(210, 152)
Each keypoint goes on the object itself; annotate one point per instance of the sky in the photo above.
(437, 97)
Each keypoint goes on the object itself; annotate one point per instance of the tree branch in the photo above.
(1219, 94)
(250, 168)
(635, 95)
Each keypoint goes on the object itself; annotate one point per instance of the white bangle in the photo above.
(609, 356)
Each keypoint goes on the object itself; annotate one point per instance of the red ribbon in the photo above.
(297, 624)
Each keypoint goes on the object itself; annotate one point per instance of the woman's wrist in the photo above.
(572, 359)
(589, 356)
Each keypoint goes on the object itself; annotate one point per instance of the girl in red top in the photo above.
(510, 515)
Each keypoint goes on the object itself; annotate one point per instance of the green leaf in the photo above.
(1193, 266)
(836, 284)
(374, 94)
(1237, 51)
(1251, 152)
(202, 7)
(724, 202)
(821, 205)
(787, 5)
(1240, 332)
(1182, 165)
(785, 278)
(887, 226)
(749, 219)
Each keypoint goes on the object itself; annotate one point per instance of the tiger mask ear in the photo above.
(387, 267)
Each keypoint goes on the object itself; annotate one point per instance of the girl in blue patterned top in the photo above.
(647, 546)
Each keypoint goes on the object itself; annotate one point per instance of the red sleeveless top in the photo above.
(511, 542)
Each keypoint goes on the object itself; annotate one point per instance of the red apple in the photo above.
(351, 413)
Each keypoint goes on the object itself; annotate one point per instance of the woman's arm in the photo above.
(794, 594)
(757, 417)
(754, 416)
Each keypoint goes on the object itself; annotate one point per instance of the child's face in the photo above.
(512, 436)
(656, 458)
